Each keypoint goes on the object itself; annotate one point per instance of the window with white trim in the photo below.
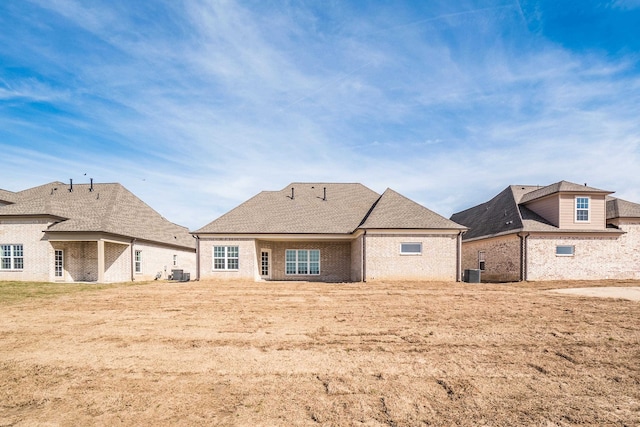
(302, 261)
(565, 250)
(582, 209)
(138, 261)
(226, 258)
(410, 248)
(11, 257)
(175, 260)
(481, 261)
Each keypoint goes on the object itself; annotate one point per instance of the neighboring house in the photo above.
(89, 232)
(561, 231)
(329, 232)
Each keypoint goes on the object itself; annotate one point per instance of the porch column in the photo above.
(100, 261)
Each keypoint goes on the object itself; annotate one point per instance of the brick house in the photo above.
(91, 232)
(331, 232)
(563, 231)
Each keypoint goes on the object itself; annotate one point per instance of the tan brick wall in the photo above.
(38, 254)
(157, 259)
(247, 263)
(80, 261)
(502, 258)
(594, 258)
(384, 262)
(335, 260)
(356, 259)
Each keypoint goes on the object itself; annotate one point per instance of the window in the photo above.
(225, 258)
(565, 250)
(11, 257)
(582, 209)
(59, 263)
(175, 260)
(302, 261)
(410, 248)
(481, 262)
(138, 262)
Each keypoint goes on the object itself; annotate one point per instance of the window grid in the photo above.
(481, 261)
(138, 263)
(11, 257)
(59, 263)
(302, 262)
(226, 258)
(582, 209)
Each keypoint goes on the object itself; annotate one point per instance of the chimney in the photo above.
(91, 187)
(70, 185)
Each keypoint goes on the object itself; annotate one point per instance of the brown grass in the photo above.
(281, 354)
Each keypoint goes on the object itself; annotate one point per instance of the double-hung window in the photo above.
(582, 209)
(302, 261)
(481, 261)
(11, 257)
(225, 258)
(138, 261)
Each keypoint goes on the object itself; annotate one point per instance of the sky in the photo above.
(197, 105)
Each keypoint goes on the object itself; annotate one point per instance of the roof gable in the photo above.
(395, 211)
(560, 187)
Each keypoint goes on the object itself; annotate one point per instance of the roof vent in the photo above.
(292, 193)
(70, 185)
(325, 194)
(91, 187)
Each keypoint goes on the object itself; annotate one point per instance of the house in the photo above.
(556, 232)
(88, 232)
(330, 232)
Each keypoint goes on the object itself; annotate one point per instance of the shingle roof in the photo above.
(109, 208)
(276, 212)
(395, 211)
(618, 208)
(562, 186)
(506, 212)
(346, 208)
(6, 196)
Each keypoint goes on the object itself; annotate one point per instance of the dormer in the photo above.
(569, 206)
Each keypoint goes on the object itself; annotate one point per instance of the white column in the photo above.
(100, 261)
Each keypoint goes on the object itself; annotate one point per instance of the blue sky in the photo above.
(195, 106)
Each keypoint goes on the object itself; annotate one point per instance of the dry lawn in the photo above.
(282, 354)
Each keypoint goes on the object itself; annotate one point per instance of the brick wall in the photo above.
(247, 263)
(335, 260)
(38, 254)
(384, 261)
(156, 259)
(594, 257)
(502, 258)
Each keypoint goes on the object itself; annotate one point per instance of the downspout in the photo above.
(133, 260)
(197, 258)
(364, 257)
(459, 257)
(523, 256)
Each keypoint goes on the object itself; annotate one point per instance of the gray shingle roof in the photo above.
(276, 212)
(342, 212)
(562, 186)
(506, 212)
(618, 208)
(395, 211)
(109, 208)
(6, 196)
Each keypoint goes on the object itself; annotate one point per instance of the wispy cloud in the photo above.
(209, 103)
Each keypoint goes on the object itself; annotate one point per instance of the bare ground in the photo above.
(281, 354)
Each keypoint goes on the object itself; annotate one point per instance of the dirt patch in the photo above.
(281, 354)
(630, 293)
